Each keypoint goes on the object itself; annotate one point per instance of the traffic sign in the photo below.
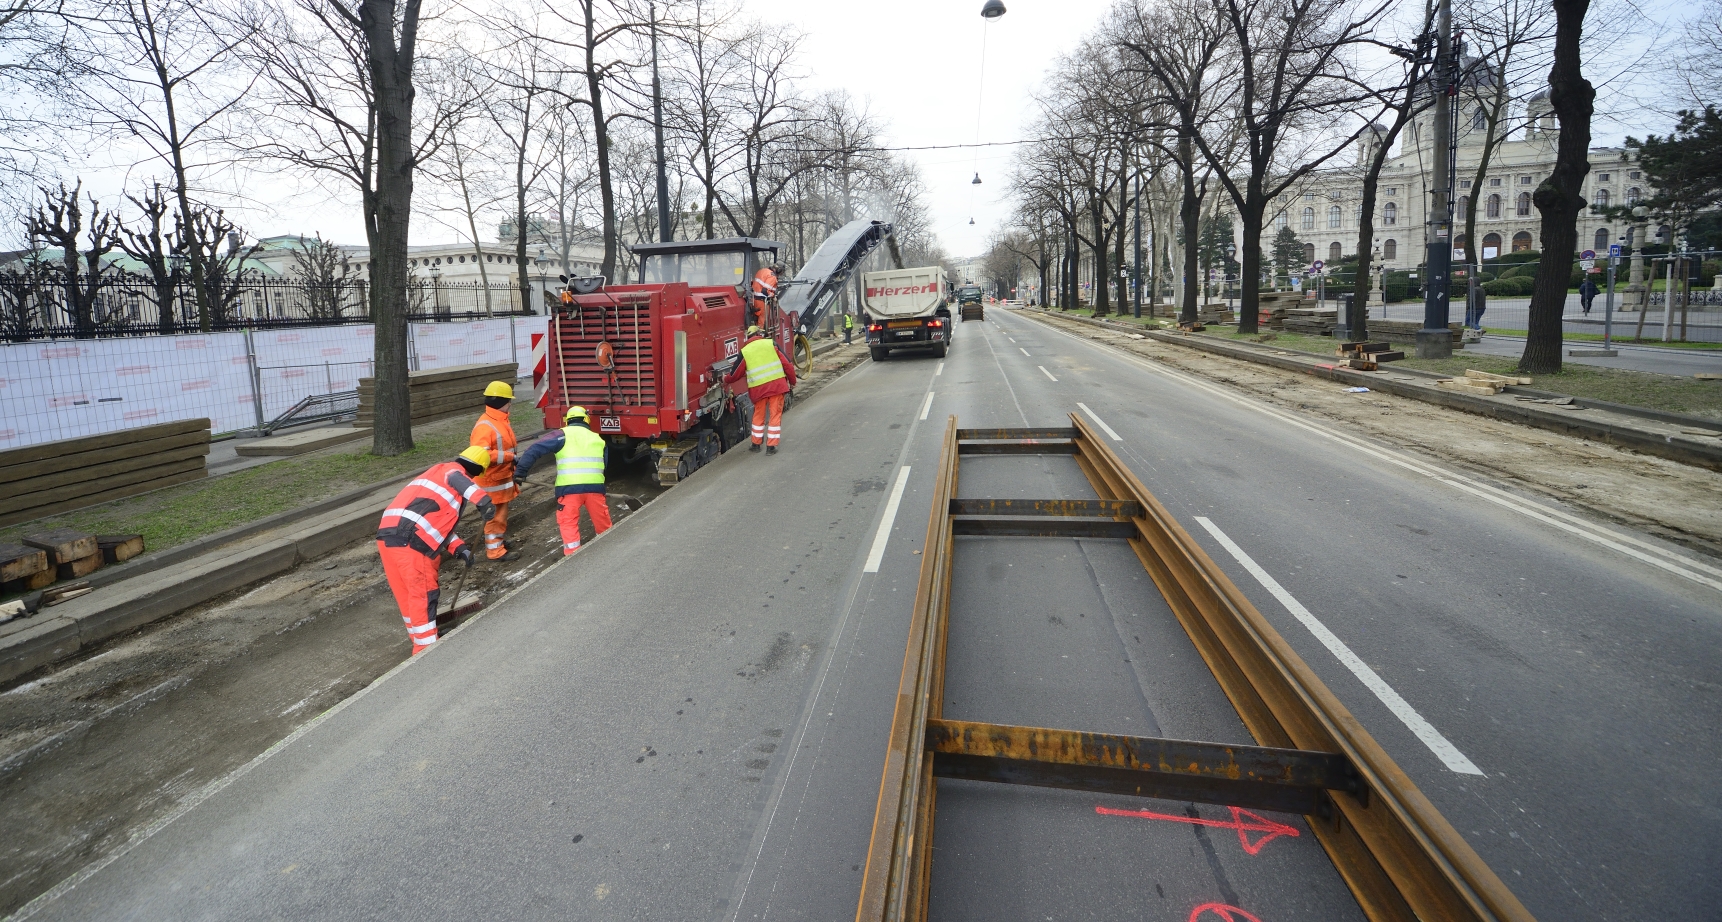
(1614, 251)
(1588, 254)
(1317, 265)
(1587, 262)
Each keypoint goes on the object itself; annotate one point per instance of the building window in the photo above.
(1602, 198)
(1632, 175)
(1464, 184)
(1280, 221)
(1524, 180)
(1479, 120)
(1491, 246)
(1521, 241)
(1493, 207)
(1464, 208)
(1390, 249)
(1334, 252)
(1601, 244)
(1334, 216)
(1391, 190)
(1665, 235)
(1524, 204)
(1308, 253)
(1602, 177)
(1495, 182)
(1309, 196)
(1309, 219)
(1390, 214)
(1632, 195)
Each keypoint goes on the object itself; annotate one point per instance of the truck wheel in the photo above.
(940, 352)
(879, 354)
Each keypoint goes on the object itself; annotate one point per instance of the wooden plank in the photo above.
(31, 583)
(1483, 390)
(1498, 379)
(62, 590)
(77, 569)
(30, 514)
(18, 561)
(96, 442)
(1387, 356)
(10, 472)
(73, 492)
(118, 548)
(1707, 376)
(99, 475)
(62, 544)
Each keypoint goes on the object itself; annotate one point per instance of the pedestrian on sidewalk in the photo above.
(848, 327)
(495, 433)
(1587, 293)
(418, 528)
(769, 375)
(579, 454)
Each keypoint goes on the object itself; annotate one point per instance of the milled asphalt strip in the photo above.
(1627, 545)
(1431, 737)
(883, 536)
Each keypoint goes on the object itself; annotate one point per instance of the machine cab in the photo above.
(727, 262)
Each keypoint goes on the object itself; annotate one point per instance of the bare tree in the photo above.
(59, 221)
(327, 277)
(159, 248)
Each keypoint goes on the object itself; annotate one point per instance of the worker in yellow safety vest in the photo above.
(495, 433)
(769, 376)
(579, 454)
(848, 328)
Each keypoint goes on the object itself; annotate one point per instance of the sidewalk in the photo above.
(1632, 357)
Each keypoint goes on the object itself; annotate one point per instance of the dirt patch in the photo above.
(1665, 498)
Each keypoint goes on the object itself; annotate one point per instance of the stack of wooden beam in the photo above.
(436, 394)
(1311, 321)
(49, 557)
(1367, 356)
(54, 477)
(1481, 383)
(1215, 312)
(1273, 307)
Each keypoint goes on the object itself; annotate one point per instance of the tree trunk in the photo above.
(1572, 97)
(391, 210)
(520, 204)
(601, 138)
(1102, 271)
(1357, 319)
(1190, 219)
(1249, 295)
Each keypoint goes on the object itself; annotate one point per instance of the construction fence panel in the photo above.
(299, 363)
(67, 389)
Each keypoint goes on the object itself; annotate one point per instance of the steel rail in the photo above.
(1400, 858)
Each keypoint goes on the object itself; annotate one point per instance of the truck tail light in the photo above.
(875, 327)
(935, 323)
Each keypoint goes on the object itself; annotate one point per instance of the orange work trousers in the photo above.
(568, 508)
(494, 532)
(413, 580)
(768, 419)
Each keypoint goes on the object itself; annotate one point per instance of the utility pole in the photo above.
(1136, 281)
(658, 126)
(1435, 341)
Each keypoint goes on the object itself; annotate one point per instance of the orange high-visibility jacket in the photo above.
(765, 284)
(423, 515)
(494, 432)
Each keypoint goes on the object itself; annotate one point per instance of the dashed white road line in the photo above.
(1431, 737)
(877, 554)
(939, 370)
(1099, 422)
(927, 406)
(1022, 350)
(1045, 372)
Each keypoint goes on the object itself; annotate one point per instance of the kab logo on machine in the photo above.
(902, 290)
(609, 424)
(731, 347)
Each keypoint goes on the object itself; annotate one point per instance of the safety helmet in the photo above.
(755, 331)
(576, 413)
(499, 389)
(477, 454)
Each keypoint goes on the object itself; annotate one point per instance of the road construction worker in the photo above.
(579, 454)
(769, 375)
(418, 528)
(494, 433)
(764, 293)
(848, 328)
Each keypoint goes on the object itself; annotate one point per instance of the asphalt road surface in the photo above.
(687, 719)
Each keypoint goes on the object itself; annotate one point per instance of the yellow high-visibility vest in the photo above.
(581, 460)
(763, 366)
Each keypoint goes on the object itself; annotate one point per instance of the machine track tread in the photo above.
(678, 461)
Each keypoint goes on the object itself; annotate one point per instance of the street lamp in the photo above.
(1231, 250)
(993, 9)
(542, 263)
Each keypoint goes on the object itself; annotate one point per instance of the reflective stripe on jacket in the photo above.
(423, 515)
(754, 355)
(580, 462)
(765, 284)
(763, 365)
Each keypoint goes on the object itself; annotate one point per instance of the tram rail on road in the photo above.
(1399, 857)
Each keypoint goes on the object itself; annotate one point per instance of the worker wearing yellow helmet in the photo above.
(579, 454)
(494, 432)
(418, 528)
(770, 375)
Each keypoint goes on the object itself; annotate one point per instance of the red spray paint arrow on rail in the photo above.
(1255, 823)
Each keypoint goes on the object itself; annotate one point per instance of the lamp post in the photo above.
(541, 263)
(1231, 251)
(436, 290)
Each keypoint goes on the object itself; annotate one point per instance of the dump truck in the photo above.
(969, 303)
(907, 310)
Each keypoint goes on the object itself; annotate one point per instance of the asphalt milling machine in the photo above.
(647, 360)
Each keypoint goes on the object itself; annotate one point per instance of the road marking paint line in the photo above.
(1645, 552)
(877, 554)
(939, 370)
(927, 406)
(1022, 350)
(1431, 737)
(1099, 422)
(1045, 372)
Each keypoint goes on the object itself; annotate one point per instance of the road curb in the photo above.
(1647, 437)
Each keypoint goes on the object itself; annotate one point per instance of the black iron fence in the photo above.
(39, 304)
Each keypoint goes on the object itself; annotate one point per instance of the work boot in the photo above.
(508, 543)
(771, 449)
(753, 447)
(509, 555)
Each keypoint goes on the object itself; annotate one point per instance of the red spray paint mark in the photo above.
(1227, 913)
(1255, 823)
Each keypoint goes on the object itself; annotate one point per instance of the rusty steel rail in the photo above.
(1401, 859)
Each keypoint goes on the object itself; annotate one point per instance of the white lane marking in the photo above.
(1645, 551)
(1431, 737)
(939, 370)
(877, 554)
(927, 406)
(1045, 372)
(1021, 349)
(1099, 422)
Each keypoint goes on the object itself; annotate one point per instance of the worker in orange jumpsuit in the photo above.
(494, 433)
(418, 528)
(580, 462)
(769, 376)
(764, 293)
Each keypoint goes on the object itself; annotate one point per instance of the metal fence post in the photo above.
(256, 379)
(412, 348)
